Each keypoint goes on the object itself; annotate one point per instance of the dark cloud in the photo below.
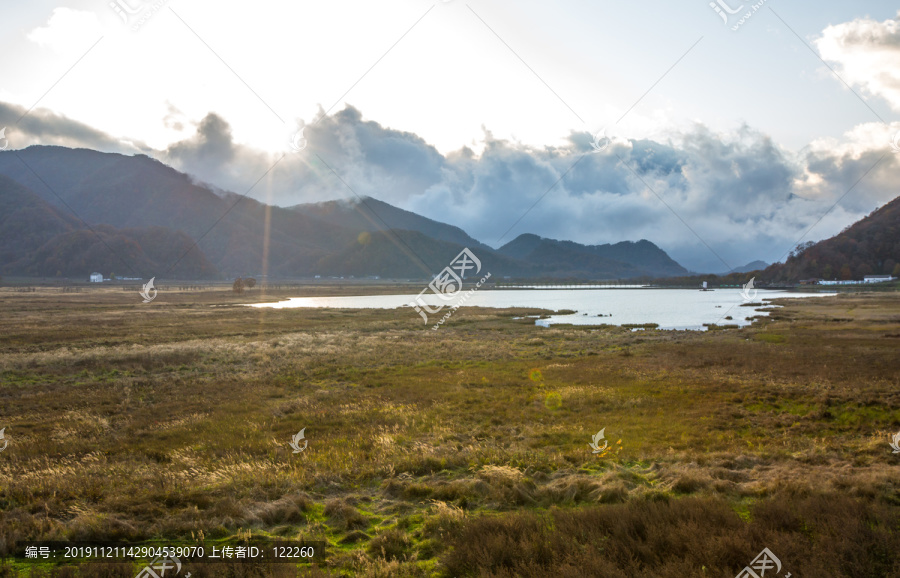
(709, 199)
(211, 147)
(43, 127)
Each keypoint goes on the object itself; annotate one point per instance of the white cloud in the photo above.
(867, 55)
(67, 29)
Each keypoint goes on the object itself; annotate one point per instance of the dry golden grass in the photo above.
(134, 421)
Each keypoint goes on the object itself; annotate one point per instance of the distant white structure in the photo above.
(866, 279)
(96, 277)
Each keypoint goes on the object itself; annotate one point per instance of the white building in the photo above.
(96, 277)
(867, 279)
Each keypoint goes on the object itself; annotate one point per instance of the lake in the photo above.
(669, 308)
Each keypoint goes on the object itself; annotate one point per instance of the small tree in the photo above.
(238, 286)
(250, 282)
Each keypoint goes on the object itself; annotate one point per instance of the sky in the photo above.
(723, 138)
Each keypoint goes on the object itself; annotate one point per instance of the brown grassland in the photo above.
(458, 452)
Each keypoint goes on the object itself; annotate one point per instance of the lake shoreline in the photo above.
(675, 309)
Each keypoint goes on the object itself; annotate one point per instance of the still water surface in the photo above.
(669, 308)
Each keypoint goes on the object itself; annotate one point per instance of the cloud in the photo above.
(371, 159)
(44, 127)
(713, 200)
(867, 54)
(175, 119)
(834, 167)
(211, 147)
(66, 29)
(346, 156)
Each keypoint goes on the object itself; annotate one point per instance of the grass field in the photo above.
(458, 452)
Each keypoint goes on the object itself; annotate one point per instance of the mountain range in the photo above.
(67, 212)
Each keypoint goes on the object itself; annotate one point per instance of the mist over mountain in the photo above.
(870, 246)
(742, 194)
(137, 216)
(752, 266)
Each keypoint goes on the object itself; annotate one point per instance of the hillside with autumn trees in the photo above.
(870, 246)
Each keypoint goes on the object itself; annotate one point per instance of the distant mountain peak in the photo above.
(370, 214)
(751, 266)
(628, 258)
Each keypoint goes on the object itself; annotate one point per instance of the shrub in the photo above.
(393, 544)
(343, 516)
